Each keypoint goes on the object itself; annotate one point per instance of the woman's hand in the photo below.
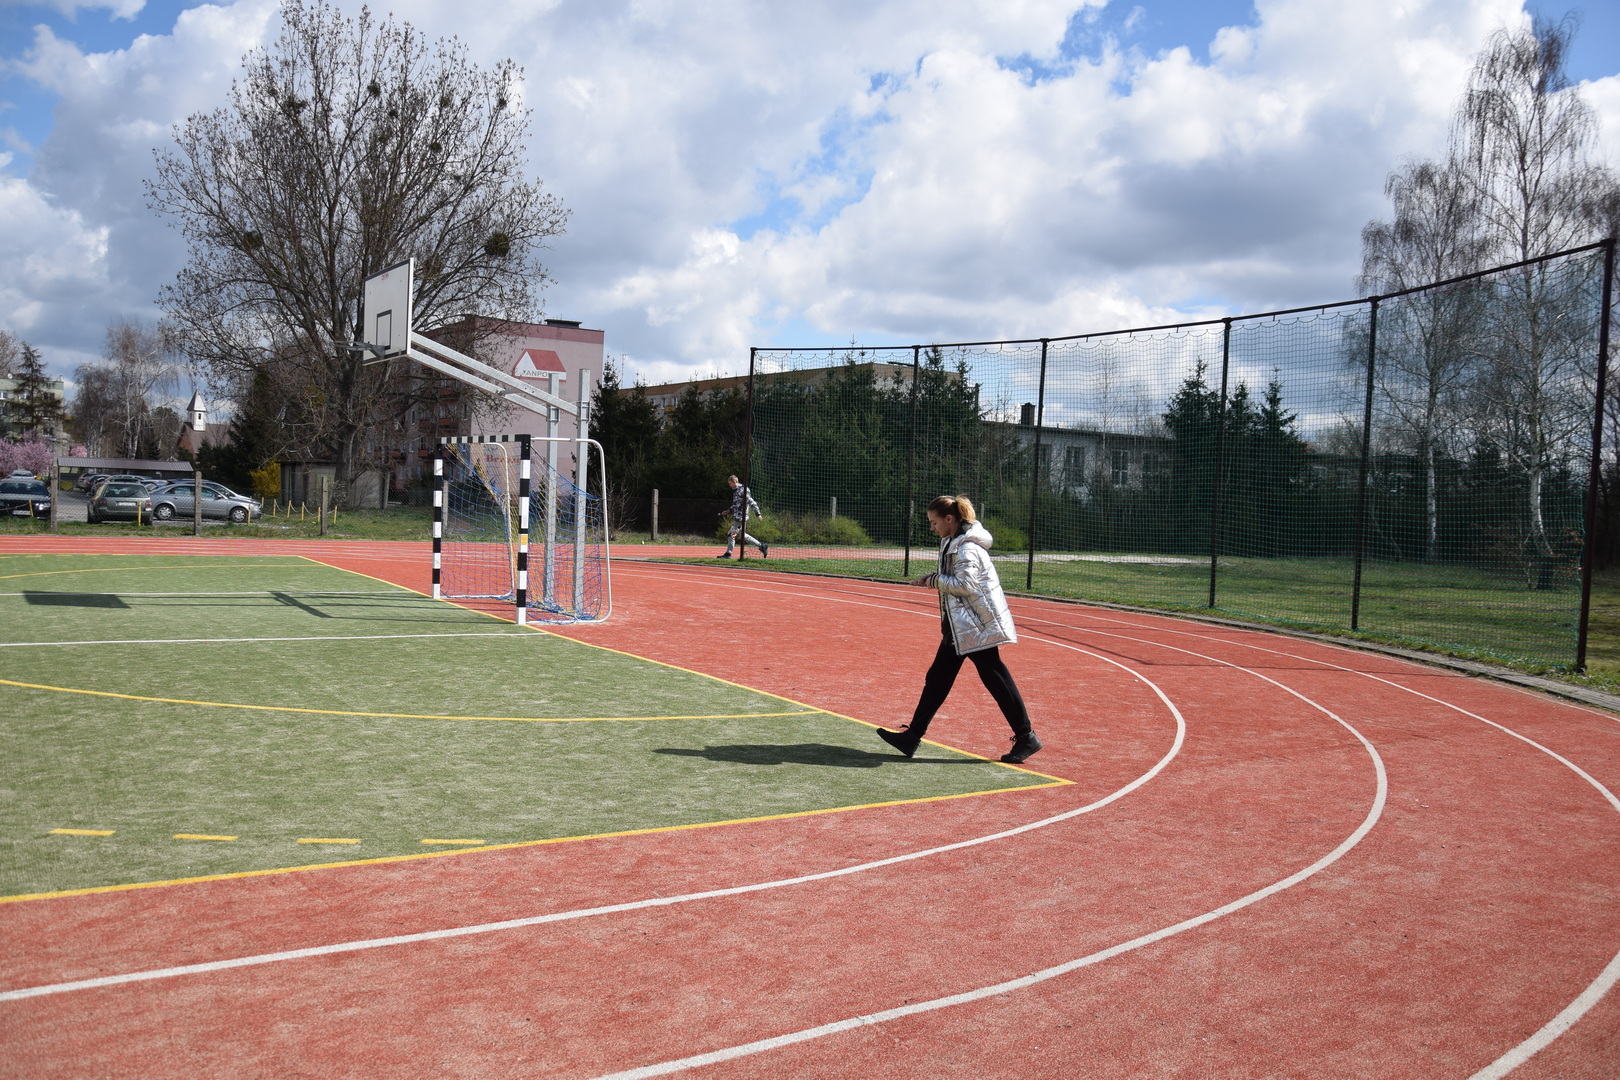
(926, 581)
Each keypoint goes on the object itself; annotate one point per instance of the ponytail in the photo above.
(957, 506)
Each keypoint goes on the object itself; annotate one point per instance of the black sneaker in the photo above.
(1023, 747)
(764, 551)
(900, 740)
(724, 555)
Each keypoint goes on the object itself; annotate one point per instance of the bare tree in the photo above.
(1505, 354)
(1523, 138)
(95, 408)
(140, 366)
(349, 145)
(10, 352)
(1426, 358)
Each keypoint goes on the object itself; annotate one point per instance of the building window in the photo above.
(1155, 471)
(1074, 464)
(1120, 467)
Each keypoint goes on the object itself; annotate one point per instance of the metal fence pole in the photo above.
(748, 464)
(1366, 459)
(1220, 461)
(654, 535)
(56, 490)
(911, 467)
(1035, 472)
(1596, 473)
(196, 502)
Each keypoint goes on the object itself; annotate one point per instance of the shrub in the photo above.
(266, 480)
(786, 528)
(1007, 537)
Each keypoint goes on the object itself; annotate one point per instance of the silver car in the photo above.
(178, 500)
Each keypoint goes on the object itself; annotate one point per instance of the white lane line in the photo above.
(237, 640)
(1606, 979)
(1374, 812)
(634, 905)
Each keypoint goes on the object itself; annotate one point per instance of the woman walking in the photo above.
(975, 622)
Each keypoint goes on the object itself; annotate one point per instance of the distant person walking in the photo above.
(742, 503)
(975, 622)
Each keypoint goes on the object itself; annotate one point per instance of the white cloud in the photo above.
(120, 9)
(94, 251)
(887, 170)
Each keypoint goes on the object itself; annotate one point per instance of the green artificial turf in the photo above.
(270, 776)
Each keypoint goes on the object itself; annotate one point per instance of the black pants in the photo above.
(992, 671)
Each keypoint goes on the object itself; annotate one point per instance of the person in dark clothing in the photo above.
(975, 623)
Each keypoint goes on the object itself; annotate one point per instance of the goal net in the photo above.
(510, 528)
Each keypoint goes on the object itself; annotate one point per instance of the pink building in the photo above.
(550, 355)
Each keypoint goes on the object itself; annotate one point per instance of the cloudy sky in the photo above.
(749, 172)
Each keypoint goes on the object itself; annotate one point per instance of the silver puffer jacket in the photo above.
(970, 596)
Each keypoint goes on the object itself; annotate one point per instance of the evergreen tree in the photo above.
(39, 410)
(1193, 419)
(627, 425)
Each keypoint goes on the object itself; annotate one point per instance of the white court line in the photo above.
(1374, 812)
(634, 905)
(1518, 1055)
(233, 640)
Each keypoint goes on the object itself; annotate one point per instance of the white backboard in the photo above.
(386, 313)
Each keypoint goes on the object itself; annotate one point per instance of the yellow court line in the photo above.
(200, 836)
(327, 840)
(701, 674)
(393, 715)
(83, 832)
(520, 844)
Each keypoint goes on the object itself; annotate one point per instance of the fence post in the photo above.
(654, 535)
(196, 502)
(1035, 472)
(56, 489)
(1588, 555)
(1220, 461)
(1366, 458)
(832, 507)
(748, 464)
(326, 494)
(907, 524)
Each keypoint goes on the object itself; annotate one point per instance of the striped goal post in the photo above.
(491, 496)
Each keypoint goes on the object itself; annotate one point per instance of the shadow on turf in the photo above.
(839, 757)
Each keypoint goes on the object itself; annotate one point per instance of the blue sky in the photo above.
(743, 172)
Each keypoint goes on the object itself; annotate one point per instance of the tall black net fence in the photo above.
(1414, 467)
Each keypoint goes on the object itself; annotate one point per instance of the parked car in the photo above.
(177, 500)
(87, 481)
(118, 501)
(24, 495)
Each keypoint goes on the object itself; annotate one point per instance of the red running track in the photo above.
(1331, 864)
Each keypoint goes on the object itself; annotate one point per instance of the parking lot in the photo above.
(72, 506)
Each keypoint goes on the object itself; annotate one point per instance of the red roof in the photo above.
(536, 363)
